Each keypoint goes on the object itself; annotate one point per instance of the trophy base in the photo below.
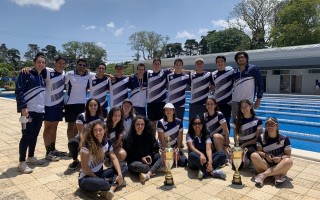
(168, 180)
(236, 181)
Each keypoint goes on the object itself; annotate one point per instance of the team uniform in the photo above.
(73, 143)
(199, 93)
(30, 94)
(99, 183)
(171, 130)
(213, 123)
(200, 143)
(248, 132)
(118, 91)
(138, 94)
(156, 93)
(75, 98)
(177, 84)
(54, 94)
(247, 84)
(98, 90)
(223, 82)
(273, 146)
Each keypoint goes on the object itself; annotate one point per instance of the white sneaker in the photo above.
(51, 157)
(107, 194)
(143, 177)
(24, 168)
(34, 161)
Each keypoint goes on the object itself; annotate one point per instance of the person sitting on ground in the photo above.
(92, 114)
(142, 149)
(171, 127)
(272, 157)
(115, 130)
(128, 115)
(248, 127)
(216, 125)
(200, 151)
(92, 177)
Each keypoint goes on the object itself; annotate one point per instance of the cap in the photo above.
(127, 100)
(199, 59)
(119, 65)
(168, 105)
(271, 119)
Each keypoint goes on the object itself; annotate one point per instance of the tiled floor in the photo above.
(54, 181)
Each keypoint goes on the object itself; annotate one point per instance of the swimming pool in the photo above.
(298, 116)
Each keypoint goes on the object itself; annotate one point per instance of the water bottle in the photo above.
(23, 120)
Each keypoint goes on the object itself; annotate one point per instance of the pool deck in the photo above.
(54, 181)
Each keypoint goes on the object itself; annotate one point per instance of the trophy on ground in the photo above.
(236, 160)
(168, 154)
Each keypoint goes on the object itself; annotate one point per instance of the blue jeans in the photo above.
(99, 183)
(140, 167)
(218, 159)
(30, 135)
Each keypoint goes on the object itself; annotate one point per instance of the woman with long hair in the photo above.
(216, 125)
(93, 113)
(200, 151)
(128, 115)
(272, 157)
(115, 130)
(92, 177)
(142, 149)
(248, 127)
(170, 133)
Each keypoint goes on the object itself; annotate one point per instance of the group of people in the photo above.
(128, 133)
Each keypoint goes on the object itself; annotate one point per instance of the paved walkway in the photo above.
(54, 181)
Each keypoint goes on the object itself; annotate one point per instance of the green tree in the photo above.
(173, 49)
(32, 51)
(51, 54)
(93, 53)
(3, 53)
(149, 43)
(13, 56)
(297, 23)
(191, 47)
(258, 16)
(228, 40)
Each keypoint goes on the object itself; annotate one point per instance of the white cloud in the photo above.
(203, 31)
(118, 32)
(185, 34)
(131, 26)
(220, 24)
(110, 25)
(91, 27)
(53, 5)
(223, 24)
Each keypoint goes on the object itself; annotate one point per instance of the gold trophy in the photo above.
(237, 160)
(168, 155)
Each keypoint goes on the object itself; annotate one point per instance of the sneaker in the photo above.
(51, 157)
(218, 173)
(60, 153)
(259, 179)
(24, 168)
(74, 165)
(143, 177)
(200, 174)
(34, 161)
(279, 179)
(107, 194)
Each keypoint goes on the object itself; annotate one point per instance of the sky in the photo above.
(108, 23)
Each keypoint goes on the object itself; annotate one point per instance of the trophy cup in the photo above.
(237, 160)
(168, 157)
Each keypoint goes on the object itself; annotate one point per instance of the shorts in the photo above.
(140, 110)
(72, 111)
(53, 114)
(155, 110)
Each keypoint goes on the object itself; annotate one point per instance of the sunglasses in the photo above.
(197, 124)
(82, 65)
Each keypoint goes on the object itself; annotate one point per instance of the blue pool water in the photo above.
(299, 118)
